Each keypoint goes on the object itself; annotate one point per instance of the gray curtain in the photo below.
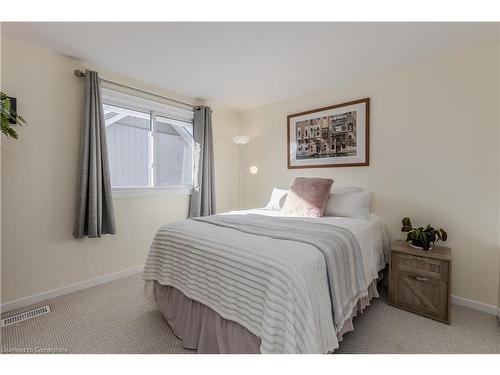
(94, 205)
(203, 195)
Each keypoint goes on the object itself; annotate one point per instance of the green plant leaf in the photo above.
(7, 113)
(425, 240)
(406, 222)
(8, 131)
(443, 236)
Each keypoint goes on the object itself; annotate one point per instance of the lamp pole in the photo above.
(241, 190)
(243, 140)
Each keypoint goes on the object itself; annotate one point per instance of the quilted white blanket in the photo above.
(289, 281)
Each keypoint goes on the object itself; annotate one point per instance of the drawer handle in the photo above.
(416, 258)
(418, 278)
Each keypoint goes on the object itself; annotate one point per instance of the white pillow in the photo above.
(349, 202)
(277, 200)
(345, 189)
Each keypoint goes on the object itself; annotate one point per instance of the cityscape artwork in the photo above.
(335, 136)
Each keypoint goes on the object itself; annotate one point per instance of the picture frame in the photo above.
(13, 106)
(328, 137)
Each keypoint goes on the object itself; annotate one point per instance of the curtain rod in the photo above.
(81, 74)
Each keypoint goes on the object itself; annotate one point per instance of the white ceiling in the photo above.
(245, 65)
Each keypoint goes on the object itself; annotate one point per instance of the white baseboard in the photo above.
(26, 301)
(479, 306)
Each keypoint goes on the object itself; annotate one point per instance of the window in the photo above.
(174, 148)
(150, 145)
(128, 136)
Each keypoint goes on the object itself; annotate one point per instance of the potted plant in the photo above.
(422, 238)
(8, 116)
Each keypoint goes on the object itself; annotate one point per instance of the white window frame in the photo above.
(153, 108)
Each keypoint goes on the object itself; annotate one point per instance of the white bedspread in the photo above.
(371, 235)
(233, 273)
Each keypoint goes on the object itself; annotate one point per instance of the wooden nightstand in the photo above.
(419, 280)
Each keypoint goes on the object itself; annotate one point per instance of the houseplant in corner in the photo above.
(422, 238)
(8, 116)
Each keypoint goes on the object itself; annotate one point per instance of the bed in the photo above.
(261, 281)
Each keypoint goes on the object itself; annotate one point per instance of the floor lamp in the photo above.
(243, 140)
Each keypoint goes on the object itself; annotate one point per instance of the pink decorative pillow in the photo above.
(308, 196)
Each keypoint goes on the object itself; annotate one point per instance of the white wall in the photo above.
(39, 176)
(0, 178)
(423, 119)
(498, 103)
(226, 155)
(434, 155)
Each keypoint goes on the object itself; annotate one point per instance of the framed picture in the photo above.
(334, 136)
(13, 106)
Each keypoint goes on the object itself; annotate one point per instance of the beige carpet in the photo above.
(117, 318)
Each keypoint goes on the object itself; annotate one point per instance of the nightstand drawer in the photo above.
(419, 281)
(423, 295)
(425, 267)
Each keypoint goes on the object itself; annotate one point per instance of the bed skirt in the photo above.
(201, 328)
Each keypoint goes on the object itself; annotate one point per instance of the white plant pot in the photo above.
(420, 248)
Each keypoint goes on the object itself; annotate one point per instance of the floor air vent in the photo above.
(25, 316)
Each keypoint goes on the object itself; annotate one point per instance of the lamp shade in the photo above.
(241, 139)
(253, 169)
